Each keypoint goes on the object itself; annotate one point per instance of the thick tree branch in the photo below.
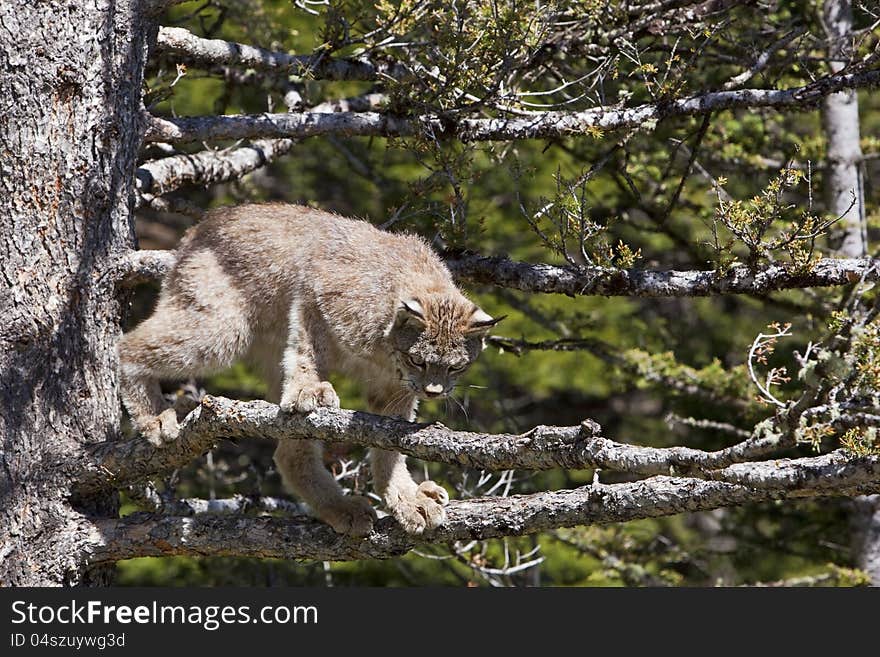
(827, 474)
(543, 125)
(598, 281)
(125, 462)
(167, 174)
(117, 464)
(489, 517)
(601, 281)
(215, 52)
(238, 504)
(148, 266)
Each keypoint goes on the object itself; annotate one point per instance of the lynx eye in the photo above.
(457, 368)
(415, 361)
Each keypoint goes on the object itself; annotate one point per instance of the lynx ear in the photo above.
(481, 321)
(409, 310)
(412, 307)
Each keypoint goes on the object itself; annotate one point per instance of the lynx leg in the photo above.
(199, 326)
(302, 470)
(300, 462)
(174, 343)
(417, 507)
(305, 356)
(142, 397)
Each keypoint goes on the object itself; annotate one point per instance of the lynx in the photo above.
(299, 293)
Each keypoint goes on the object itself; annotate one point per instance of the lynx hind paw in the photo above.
(352, 516)
(162, 429)
(424, 510)
(310, 397)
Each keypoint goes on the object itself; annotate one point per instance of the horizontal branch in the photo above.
(588, 281)
(827, 474)
(598, 281)
(540, 125)
(238, 504)
(118, 464)
(125, 462)
(216, 52)
(296, 125)
(140, 535)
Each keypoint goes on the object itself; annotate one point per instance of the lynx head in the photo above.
(435, 338)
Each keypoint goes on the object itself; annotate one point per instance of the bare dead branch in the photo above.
(167, 174)
(238, 504)
(144, 266)
(589, 281)
(121, 463)
(216, 52)
(598, 281)
(540, 125)
(828, 473)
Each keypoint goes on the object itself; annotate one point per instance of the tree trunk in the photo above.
(845, 197)
(840, 120)
(865, 522)
(70, 130)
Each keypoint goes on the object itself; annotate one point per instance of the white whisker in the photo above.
(460, 405)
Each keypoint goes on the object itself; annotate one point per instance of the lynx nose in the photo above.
(433, 389)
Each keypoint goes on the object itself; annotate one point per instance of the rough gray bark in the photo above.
(541, 125)
(70, 78)
(488, 517)
(124, 462)
(70, 89)
(552, 279)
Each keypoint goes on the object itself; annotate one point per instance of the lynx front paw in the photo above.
(423, 510)
(435, 491)
(309, 397)
(353, 516)
(161, 429)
